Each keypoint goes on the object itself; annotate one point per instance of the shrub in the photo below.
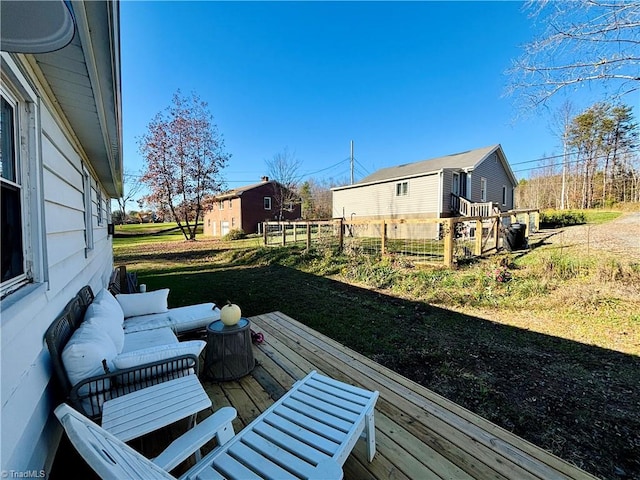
(556, 219)
(235, 234)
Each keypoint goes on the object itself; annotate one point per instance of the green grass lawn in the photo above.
(552, 354)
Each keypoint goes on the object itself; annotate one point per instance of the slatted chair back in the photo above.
(105, 454)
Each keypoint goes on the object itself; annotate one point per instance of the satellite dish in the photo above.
(35, 26)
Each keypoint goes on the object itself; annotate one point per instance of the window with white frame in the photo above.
(504, 195)
(267, 203)
(13, 251)
(402, 189)
(483, 189)
(221, 205)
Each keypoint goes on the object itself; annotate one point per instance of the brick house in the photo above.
(246, 207)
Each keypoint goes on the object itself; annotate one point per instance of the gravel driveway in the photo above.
(620, 236)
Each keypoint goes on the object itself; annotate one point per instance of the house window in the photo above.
(99, 194)
(233, 221)
(504, 195)
(221, 205)
(402, 189)
(267, 203)
(230, 203)
(13, 257)
(483, 189)
(88, 210)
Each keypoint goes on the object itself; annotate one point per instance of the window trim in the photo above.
(16, 183)
(15, 86)
(483, 189)
(266, 203)
(504, 195)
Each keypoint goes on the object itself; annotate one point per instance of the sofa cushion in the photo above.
(86, 349)
(181, 319)
(105, 299)
(103, 315)
(158, 353)
(148, 338)
(134, 304)
(147, 322)
(193, 317)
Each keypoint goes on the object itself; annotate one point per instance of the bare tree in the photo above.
(132, 187)
(585, 41)
(284, 168)
(184, 155)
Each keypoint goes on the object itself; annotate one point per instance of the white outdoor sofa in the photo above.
(97, 354)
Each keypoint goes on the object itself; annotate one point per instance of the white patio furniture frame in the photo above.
(308, 433)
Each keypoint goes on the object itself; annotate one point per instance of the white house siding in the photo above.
(30, 433)
(380, 200)
(493, 170)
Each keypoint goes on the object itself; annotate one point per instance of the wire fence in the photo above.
(436, 240)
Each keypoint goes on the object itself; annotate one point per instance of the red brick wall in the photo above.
(246, 211)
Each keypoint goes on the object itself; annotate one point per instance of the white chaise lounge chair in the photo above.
(308, 433)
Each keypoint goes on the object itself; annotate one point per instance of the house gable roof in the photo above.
(465, 161)
(236, 192)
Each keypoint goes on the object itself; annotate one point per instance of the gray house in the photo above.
(472, 183)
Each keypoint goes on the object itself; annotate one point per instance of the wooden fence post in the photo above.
(478, 246)
(265, 227)
(284, 233)
(448, 242)
(295, 232)
(496, 232)
(383, 239)
(340, 234)
(308, 236)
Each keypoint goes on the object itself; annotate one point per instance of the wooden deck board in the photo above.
(437, 438)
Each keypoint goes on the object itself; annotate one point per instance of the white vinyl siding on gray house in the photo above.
(381, 199)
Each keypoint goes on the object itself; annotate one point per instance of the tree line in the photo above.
(600, 166)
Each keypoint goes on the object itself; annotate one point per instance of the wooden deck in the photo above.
(419, 434)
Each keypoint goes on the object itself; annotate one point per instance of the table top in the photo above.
(143, 411)
(219, 327)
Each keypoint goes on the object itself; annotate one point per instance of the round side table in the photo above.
(229, 353)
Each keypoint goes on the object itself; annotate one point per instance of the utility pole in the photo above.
(351, 162)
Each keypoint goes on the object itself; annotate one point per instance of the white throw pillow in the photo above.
(135, 304)
(105, 318)
(88, 346)
(105, 299)
(158, 353)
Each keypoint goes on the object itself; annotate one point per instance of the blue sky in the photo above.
(405, 81)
